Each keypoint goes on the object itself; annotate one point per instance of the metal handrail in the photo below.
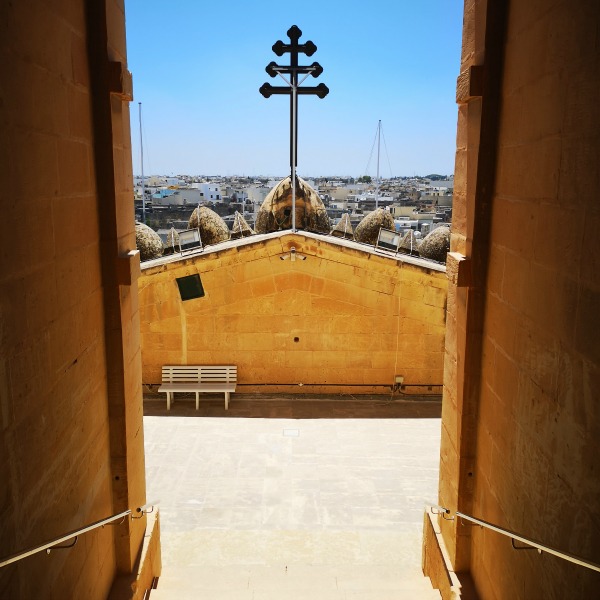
(63, 538)
(515, 536)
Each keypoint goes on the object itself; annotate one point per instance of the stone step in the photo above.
(295, 582)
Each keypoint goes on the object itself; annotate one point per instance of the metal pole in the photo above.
(293, 70)
(293, 141)
(142, 160)
(294, 132)
(378, 147)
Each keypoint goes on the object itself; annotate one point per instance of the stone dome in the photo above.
(344, 228)
(436, 245)
(276, 210)
(148, 242)
(240, 227)
(212, 228)
(367, 231)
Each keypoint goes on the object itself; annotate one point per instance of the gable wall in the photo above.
(359, 318)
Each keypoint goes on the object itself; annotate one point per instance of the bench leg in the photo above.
(226, 400)
(197, 400)
(168, 400)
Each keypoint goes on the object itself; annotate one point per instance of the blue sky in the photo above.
(197, 67)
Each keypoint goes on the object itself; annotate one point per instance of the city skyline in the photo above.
(197, 74)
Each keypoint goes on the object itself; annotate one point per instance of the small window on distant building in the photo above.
(190, 287)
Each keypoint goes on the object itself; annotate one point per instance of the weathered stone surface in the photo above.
(275, 213)
(410, 243)
(436, 245)
(367, 230)
(148, 242)
(240, 227)
(344, 228)
(212, 228)
(71, 431)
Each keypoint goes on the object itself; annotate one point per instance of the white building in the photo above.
(209, 191)
(258, 193)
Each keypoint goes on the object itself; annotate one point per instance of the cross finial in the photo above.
(293, 89)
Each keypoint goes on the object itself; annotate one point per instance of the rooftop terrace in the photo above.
(320, 507)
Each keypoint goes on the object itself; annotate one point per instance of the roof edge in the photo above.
(309, 235)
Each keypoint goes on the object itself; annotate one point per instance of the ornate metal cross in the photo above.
(293, 89)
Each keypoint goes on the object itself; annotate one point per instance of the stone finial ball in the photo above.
(275, 212)
(148, 242)
(436, 244)
(367, 231)
(212, 228)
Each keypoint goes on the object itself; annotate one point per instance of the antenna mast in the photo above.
(378, 148)
(142, 161)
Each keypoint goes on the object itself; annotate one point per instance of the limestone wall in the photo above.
(521, 418)
(342, 316)
(539, 432)
(63, 436)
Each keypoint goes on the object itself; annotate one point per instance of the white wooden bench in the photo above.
(198, 378)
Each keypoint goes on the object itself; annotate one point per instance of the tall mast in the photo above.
(378, 148)
(142, 160)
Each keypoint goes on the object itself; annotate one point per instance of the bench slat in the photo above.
(190, 387)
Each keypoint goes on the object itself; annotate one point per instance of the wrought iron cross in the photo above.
(293, 89)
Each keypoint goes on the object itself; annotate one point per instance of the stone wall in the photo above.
(71, 446)
(521, 418)
(344, 318)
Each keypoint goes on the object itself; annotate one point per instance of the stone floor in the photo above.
(258, 508)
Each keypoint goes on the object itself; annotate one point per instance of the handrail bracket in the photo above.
(63, 547)
(512, 541)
